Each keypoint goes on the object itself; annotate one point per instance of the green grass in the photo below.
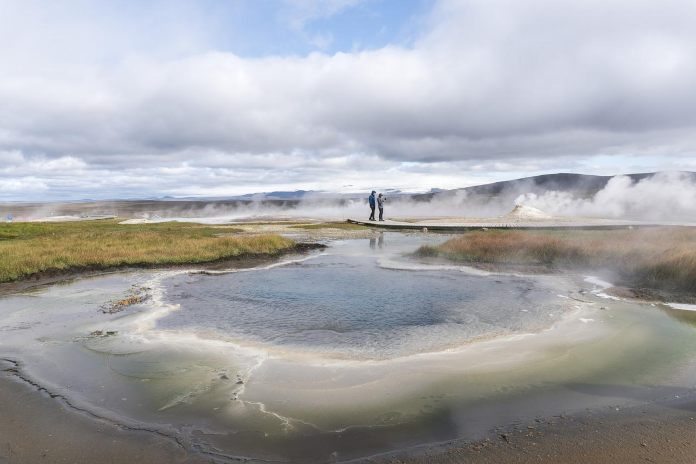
(31, 248)
(661, 258)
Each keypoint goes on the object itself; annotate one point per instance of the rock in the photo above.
(224, 377)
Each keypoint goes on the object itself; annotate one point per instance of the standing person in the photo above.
(380, 205)
(371, 201)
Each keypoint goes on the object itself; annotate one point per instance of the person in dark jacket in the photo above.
(380, 205)
(371, 201)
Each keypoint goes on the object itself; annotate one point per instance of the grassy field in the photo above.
(659, 258)
(27, 249)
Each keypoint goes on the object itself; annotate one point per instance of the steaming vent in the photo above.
(526, 212)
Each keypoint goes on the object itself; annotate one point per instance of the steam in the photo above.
(663, 197)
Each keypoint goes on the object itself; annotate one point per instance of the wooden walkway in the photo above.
(463, 227)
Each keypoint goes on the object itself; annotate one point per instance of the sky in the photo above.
(140, 99)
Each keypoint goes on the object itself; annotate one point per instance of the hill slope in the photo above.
(580, 185)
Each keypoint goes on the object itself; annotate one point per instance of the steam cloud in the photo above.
(663, 197)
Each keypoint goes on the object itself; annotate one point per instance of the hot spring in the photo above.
(351, 352)
(347, 304)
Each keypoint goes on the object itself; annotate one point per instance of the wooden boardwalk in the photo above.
(439, 226)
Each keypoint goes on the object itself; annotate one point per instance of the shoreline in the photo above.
(57, 276)
(662, 431)
(623, 290)
(61, 433)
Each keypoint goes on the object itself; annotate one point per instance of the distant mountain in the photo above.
(277, 195)
(580, 185)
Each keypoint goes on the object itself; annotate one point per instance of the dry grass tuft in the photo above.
(32, 248)
(658, 257)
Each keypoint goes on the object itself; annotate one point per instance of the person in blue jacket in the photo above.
(371, 201)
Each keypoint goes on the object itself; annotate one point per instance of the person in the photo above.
(371, 201)
(380, 205)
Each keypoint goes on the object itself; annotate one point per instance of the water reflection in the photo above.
(377, 242)
(687, 317)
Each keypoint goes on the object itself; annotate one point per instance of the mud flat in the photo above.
(662, 432)
(357, 352)
(35, 427)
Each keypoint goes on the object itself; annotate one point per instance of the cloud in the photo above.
(14, 186)
(490, 82)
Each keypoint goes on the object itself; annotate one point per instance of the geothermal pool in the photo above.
(347, 305)
(348, 353)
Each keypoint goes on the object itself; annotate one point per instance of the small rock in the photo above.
(224, 377)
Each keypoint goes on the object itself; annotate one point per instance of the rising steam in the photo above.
(663, 197)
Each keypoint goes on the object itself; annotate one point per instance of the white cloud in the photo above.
(24, 185)
(496, 85)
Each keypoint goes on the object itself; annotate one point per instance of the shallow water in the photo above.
(343, 304)
(344, 354)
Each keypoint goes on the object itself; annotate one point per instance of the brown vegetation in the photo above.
(31, 248)
(662, 257)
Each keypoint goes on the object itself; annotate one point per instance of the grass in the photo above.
(27, 249)
(660, 258)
